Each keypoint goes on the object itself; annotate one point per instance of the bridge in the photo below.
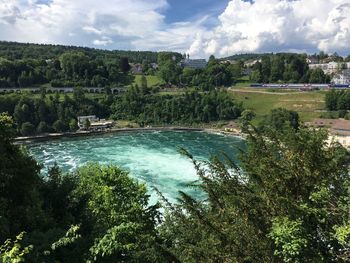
(62, 90)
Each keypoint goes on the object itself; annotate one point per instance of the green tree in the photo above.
(285, 202)
(13, 252)
(60, 126)
(256, 76)
(73, 125)
(124, 64)
(265, 69)
(279, 119)
(19, 202)
(246, 118)
(317, 76)
(27, 129)
(277, 69)
(42, 127)
(121, 222)
(143, 82)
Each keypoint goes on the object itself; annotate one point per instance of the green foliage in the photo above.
(13, 252)
(97, 214)
(70, 238)
(245, 119)
(342, 235)
(65, 66)
(60, 126)
(122, 225)
(289, 239)
(42, 127)
(6, 127)
(279, 119)
(13, 50)
(286, 67)
(73, 125)
(283, 203)
(214, 75)
(317, 76)
(338, 100)
(53, 112)
(18, 185)
(169, 71)
(27, 129)
(138, 105)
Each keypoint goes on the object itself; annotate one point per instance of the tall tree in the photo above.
(19, 180)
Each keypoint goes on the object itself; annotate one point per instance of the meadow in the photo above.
(309, 104)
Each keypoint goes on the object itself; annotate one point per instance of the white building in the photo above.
(339, 129)
(136, 68)
(328, 68)
(312, 60)
(342, 78)
(101, 125)
(251, 63)
(82, 120)
(95, 123)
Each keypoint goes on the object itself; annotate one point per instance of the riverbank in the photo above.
(56, 136)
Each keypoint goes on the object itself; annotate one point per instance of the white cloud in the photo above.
(81, 22)
(9, 12)
(102, 42)
(278, 25)
(265, 25)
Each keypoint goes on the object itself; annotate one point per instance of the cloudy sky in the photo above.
(198, 27)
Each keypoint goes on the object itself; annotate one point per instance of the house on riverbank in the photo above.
(93, 123)
(339, 129)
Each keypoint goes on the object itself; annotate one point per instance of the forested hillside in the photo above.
(58, 113)
(286, 68)
(27, 65)
(14, 51)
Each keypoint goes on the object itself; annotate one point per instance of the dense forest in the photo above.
(58, 113)
(28, 65)
(20, 51)
(193, 107)
(286, 201)
(68, 70)
(289, 68)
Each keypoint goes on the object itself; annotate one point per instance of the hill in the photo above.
(15, 51)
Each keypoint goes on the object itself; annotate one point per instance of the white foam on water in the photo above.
(151, 158)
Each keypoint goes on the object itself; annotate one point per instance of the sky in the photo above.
(197, 27)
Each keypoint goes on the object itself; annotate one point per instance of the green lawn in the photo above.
(151, 80)
(307, 104)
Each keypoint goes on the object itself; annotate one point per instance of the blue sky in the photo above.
(182, 10)
(197, 27)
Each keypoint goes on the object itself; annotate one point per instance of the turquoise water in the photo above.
(151, 157)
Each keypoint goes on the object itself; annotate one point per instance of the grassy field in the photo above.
(308, 104)
(151, 80)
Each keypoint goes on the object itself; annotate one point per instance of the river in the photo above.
(151, 157)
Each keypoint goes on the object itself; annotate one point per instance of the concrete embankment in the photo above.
(53, 136)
